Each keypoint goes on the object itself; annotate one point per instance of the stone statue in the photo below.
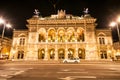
(86, 11)
(36, 12)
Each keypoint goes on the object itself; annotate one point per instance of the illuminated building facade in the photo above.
(5, 46)
(62, 36)
(116, 46)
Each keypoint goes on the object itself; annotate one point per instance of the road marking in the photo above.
(75, 77)
(83, 76)
(19, 72)
(115, 69)
(65, 70)
(72, 72)
(3, 75)
(67, 78)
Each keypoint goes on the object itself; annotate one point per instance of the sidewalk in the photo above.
(55, 62)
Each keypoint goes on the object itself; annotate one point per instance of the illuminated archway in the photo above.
(61, 35)
(61, 53)
(80, 35)
(41, 53)
(52, 53)
(51, 35)
(70, 53)
(81, 53)
(70, 35)
(42, 34)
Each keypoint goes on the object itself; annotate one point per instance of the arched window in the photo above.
(41, 35)
(61, 35)
(71, 36)
(80, 35)
(41, 38)
(22, 41)
(102, 40)
(51, 35)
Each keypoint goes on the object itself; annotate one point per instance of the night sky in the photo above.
(17, 11)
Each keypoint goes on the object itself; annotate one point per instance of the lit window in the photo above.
(102, 40)
(22, 41)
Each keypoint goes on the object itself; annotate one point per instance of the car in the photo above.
(71, 60)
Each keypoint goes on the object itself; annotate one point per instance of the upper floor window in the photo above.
(41, 38)
(80, 35)
(102, 40)
(22, 41)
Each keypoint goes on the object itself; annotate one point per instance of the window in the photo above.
(41, 38)
(20, 55)
(22, 41)
(103, 54)
(102, 40)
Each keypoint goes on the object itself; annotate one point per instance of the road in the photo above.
(60, 71)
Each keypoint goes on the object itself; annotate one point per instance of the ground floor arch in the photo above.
(51, 53)
(81, 53)
(61, 53)
(41, 53)
(71, 53)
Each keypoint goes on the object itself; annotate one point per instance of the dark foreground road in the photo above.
(59, 71)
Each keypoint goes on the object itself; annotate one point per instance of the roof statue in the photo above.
(36, 12)
(86, 10)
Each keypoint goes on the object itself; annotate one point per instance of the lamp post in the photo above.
(4, 25)
(118, 32)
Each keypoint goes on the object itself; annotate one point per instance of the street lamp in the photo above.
(116, 24)
(2, 21)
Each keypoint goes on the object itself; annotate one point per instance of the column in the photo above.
(76, 49)
(56, 54)
(66, 53)
(56, 49)
(46, 54)
(46, 48)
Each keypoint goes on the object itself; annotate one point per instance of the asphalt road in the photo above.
(60, 71)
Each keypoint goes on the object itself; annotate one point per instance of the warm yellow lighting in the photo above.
(109, 51)
(118, 19)
(113, 24)
(7, 53)
(1, 21)
(8, 25)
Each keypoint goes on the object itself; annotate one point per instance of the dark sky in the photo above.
(17, 11)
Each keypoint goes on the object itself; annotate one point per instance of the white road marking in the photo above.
(67, 78)
(19, 72)
(76, 77)
(3, 75)
(72, 72)
(118, 69)
(65, 70)
(83, 76)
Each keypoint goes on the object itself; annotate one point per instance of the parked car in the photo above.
(71, 60)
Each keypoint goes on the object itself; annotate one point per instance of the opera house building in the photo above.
(62, 36)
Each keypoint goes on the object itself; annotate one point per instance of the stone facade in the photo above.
(62, 36)
(116, 46)
(5, 46)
